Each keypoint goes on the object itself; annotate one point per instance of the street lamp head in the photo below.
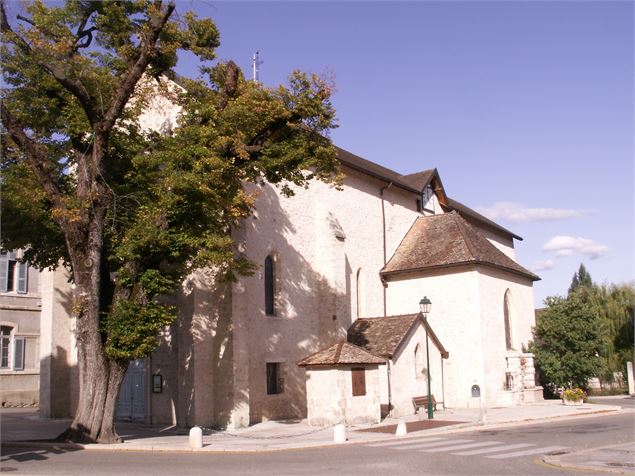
(425, 304)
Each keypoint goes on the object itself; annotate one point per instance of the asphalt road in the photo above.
(507, 451)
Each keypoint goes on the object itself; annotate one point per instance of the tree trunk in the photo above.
(99, 377)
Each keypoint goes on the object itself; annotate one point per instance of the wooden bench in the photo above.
(422, 402)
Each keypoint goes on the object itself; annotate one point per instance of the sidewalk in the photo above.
(24, 425)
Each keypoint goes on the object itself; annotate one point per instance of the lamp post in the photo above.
(425, 304)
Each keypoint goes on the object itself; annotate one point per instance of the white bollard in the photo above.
(402, 429)
(196, 438)
(339, 433)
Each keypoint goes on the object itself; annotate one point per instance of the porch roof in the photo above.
(341, 353)
(383, 336)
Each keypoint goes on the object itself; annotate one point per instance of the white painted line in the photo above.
(430, 445)
(533, 451)
(401, 442)
(493, 450)
(462, 447)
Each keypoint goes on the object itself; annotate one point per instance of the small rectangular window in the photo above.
(359, 382)
(275, 381)
(19, 344)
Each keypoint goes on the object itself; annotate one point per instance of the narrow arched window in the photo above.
(508, 325)
(270, 309)
(419, 361)
(358, 292)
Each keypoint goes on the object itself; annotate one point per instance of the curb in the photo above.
(555, 461)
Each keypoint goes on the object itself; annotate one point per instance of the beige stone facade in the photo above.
(328, 248)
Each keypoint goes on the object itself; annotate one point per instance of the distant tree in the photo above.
(580, 279)
(131, 213)
(616, 307)
(569, 341)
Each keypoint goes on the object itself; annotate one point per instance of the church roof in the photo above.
(415, 183)
(341, 353)
(446, 240)
(469, 214)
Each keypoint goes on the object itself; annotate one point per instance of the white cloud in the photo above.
(518, 213)
(542, 265)
(567, 245)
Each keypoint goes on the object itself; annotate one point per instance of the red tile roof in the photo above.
(447, 240)
(341, 353)
(384, 335)
(381, 335)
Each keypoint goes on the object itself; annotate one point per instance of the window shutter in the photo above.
(4, 272)
(18, 353)
(23, 274)
(359, 382)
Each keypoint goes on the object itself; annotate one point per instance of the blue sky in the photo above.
(525, 108)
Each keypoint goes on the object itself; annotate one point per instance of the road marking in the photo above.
(418, 446)
(400, 442)
(533, 451)
(493, 450)
(461, 447)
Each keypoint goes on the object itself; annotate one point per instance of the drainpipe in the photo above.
(388, 373)
(383, 223)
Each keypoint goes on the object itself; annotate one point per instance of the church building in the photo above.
(331, 318)
(337, 269)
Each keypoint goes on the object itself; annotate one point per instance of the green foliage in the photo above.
(569, 340)
(170, 201)
(580, 279)
(132, 328)
(616, 308)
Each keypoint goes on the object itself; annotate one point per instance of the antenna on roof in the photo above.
(255, 63)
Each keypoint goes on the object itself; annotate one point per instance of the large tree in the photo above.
(569, 341)
(130, 212)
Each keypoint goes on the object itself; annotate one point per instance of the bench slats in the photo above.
(422, 402)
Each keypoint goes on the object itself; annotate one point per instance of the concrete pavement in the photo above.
(23, 427)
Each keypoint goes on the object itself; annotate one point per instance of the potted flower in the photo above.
(573, 396)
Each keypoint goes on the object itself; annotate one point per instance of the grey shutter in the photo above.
(23, 274)
(18, 353)
(4, 272)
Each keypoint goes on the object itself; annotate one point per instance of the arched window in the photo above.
(419, 361)
(359, 292)
(270, 275)
(508, 324)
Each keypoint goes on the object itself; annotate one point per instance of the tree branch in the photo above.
(76, 88)
(35, 155)
(133, 75)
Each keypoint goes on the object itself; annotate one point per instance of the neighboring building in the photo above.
(20, 307)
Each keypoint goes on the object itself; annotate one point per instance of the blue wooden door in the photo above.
(131, 399)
